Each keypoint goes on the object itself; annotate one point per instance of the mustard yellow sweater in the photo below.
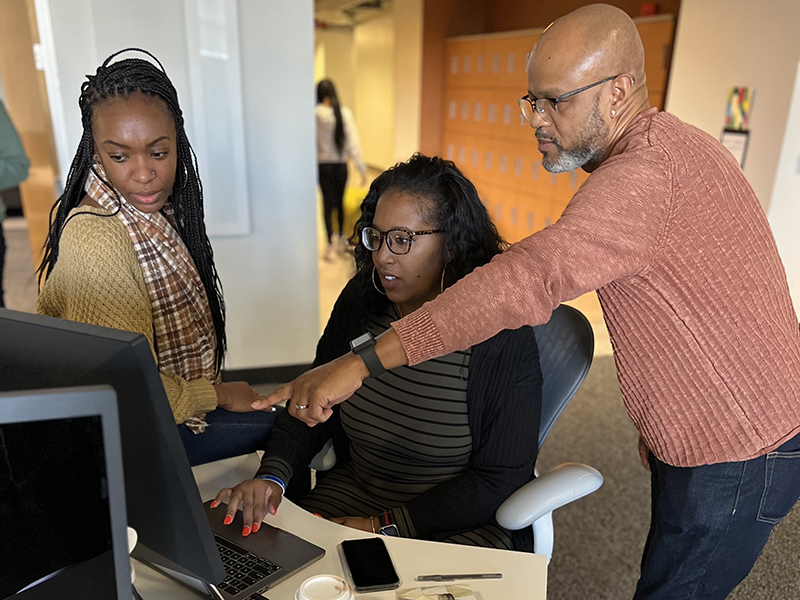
(98, 280)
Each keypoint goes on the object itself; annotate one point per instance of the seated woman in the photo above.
(127, 249)
(429, 451)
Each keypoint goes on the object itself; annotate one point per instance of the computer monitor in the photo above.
(62, 497)
(163, 503)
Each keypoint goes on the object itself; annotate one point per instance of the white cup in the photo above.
(324, 587)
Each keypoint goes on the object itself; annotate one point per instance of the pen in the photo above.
(459, 576)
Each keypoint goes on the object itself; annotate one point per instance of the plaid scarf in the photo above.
(183, 328)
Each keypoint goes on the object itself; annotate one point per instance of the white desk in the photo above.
(524, 575)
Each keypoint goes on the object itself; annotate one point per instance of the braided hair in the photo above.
(122, 79)
(325, 89)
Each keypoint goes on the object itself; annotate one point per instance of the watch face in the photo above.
(390, 529)
(363, 339)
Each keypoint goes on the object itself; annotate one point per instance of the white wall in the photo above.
(374, 88)
(784, 210)
(334, 60)
(407, 77)
(270, 275)
(725, 43)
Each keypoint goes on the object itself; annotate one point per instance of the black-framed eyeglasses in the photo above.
(548, 107)
(398, 239)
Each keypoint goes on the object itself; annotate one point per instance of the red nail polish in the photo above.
(214, 504)
(273, 510)
(255, 527)
(228, 520)
(318, 515)
(246, 531)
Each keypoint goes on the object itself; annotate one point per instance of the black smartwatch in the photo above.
(364, 346)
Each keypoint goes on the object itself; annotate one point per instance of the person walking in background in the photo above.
(13, 171)
(337, 139)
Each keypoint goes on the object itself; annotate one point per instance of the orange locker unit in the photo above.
(486, 136)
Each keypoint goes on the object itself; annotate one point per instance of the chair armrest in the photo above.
(325, 459)
(554, 489)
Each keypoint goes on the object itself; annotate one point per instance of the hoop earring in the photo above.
(185, 175)
(375, 285)
(443, 272)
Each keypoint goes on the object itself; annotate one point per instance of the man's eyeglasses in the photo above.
(398, 240)
(548, 107)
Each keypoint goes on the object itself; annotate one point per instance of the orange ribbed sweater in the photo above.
(694, 294)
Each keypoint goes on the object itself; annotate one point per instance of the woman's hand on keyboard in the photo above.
(255, 497)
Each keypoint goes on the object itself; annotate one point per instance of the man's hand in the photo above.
(362, 523)
(256, 497)
(644, 451)
(238, 396)
(312, 396)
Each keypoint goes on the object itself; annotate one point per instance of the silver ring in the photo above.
(301, 406)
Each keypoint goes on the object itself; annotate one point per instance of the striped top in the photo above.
(408, 432)
(503, 412)
(408, 428)
(673, 238)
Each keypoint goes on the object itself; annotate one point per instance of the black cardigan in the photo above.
(504, 394)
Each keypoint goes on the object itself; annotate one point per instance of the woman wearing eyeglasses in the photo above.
(429, 451)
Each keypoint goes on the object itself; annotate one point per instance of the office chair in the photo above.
(566, 346)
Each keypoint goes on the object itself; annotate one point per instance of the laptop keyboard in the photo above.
(242, 568)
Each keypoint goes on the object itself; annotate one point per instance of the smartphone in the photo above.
(370, 565)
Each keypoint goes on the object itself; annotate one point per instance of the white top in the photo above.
(327, 153)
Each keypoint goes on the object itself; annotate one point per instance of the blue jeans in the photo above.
(228, 434)
(709, 523)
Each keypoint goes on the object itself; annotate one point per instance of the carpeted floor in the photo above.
(599, 539)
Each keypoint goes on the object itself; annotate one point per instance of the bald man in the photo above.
(706, 340)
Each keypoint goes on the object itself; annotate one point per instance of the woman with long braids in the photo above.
(337, 139)
(127, 249)
(429, 451)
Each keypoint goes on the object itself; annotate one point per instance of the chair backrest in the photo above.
(566, 347)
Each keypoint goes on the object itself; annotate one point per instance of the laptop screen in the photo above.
(57, 538)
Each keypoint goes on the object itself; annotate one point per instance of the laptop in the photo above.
(62, 499)
(178, 535)
(253, 564)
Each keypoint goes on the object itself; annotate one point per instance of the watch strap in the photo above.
(371, 360)
(386, 525)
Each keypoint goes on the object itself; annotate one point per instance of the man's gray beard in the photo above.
(571, 159)
(568, 160)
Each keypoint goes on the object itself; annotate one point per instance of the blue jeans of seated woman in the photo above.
(228, 434)
(709, 523)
